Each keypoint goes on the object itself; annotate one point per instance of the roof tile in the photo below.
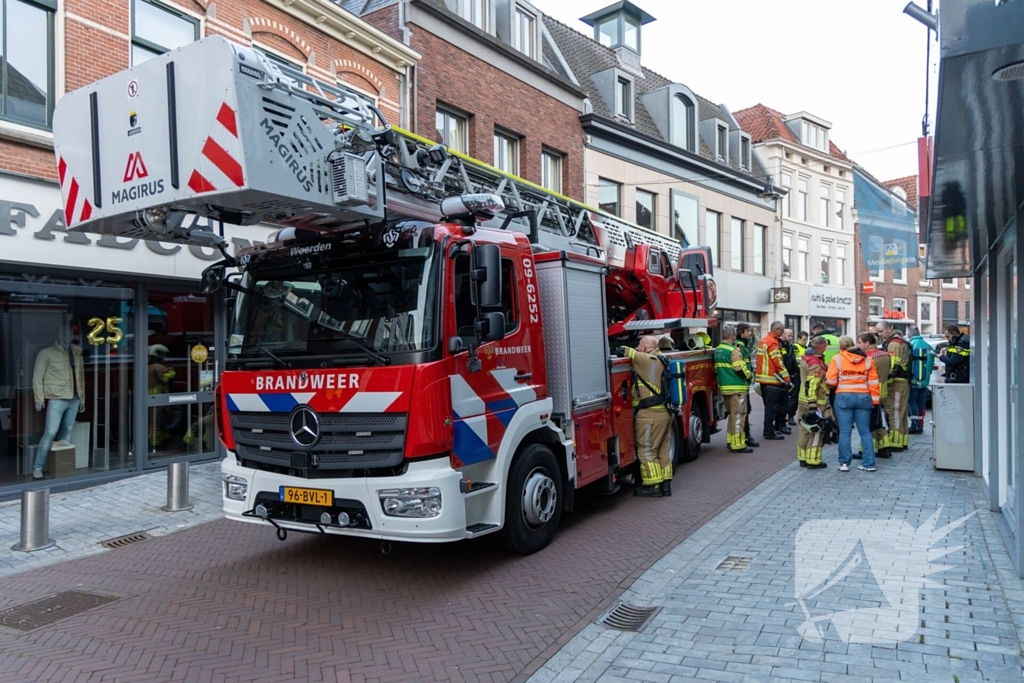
(764, 123)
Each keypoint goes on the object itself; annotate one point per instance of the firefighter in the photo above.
(813, 399)
(791, 359)
(771, 374)
(652, 419)
(868, 343)
(734, 377)
(801, 344)
(956, 357)
(897, 403)
(745, 340)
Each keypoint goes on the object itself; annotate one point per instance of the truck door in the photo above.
(485, 402)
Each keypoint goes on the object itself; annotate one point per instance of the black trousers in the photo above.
(792, 400)
(775, 405)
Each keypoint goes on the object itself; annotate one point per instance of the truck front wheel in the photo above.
(533, 500)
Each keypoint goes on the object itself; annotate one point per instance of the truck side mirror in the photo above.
(686, 280)
(490, 327)
(212, 278)
(487, 275)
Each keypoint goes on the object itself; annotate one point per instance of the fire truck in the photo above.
(423, 351)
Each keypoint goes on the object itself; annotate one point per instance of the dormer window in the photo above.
(722, 143)
(476, 12)
(524, 32)
(744, 152)
(608, 31)
(815, 136)
(618, 26)
(682, 122)
(624, 98)
(631, 33)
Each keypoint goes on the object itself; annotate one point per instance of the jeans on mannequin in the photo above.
(60, 418)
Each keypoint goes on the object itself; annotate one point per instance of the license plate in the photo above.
(290, 494)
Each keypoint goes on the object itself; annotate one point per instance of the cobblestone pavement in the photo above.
(227, 602)
(81, 520)
(741, 626)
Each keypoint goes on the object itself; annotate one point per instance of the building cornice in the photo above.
(350, 30)
(817, 154)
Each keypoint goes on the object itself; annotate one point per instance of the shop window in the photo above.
(26, 63)
(159, 28)
(66, 379)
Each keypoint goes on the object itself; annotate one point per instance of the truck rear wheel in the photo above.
(696, 425)
(533, 500)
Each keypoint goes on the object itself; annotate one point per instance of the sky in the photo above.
(859, 64)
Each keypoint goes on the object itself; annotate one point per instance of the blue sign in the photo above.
(888, 233)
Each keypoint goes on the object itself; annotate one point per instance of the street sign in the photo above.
(780, 295)
(868, 287)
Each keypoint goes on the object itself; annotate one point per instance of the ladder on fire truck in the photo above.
(367, 167)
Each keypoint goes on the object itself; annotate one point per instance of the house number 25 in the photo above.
(98, 326)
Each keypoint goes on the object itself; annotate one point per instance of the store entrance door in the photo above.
(180, 378)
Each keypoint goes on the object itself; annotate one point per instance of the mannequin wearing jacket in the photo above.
(58, 383)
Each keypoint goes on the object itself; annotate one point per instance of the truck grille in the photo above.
(347, 442)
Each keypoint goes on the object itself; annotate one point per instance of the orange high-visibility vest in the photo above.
(853, 378)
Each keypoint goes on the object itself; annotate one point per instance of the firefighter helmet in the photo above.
(812, 422)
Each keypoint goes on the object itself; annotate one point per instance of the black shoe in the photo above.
(648, 491)
(884, 453)
(741, 450)
(773, 437)
(858, 456)
(792, 422)
(666, 488)
(803, 463)
(785, 430)
(819, 466)
(751, 443)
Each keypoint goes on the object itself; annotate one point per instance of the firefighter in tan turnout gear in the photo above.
(734, 375)
(813, 400)
(868, 343)
(652, 418)
(897, 402)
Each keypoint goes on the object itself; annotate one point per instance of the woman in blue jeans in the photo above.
(856, 383)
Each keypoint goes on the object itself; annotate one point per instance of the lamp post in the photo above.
(770, 193)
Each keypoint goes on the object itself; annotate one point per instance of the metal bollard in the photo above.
(177, 488)
(35, 521)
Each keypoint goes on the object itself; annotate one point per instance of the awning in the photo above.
(979, 142)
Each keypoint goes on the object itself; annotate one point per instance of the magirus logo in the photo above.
(887, 561)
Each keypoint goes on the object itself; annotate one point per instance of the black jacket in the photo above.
(790, 360)
(958, 361)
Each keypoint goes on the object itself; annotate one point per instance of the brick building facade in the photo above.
(491, 86)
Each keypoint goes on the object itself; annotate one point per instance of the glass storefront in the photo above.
(66, 379)
(836, 326)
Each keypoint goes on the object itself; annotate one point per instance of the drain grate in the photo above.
(122, 541)
(734, 564)
(626, 617)
(51, 609)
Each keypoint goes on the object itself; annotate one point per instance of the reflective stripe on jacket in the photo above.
(813, 391)
(883, 366)
(768, 362)
(650, 369)
(850, 373)
(732, 369)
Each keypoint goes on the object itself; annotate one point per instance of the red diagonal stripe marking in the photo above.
(86, 212)
(200, 184)
(69, 207)
(224, 161)
(226, 116)
(61, 168)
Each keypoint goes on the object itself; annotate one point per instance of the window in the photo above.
(645, 209)
(745, 153)
(608, 31)
(787, 182)
(805, 258)
(967, 310)
(876, 307)
(801, 200)
(875, 253)
(840, 264)
(722, 142)
(506, 153)
(787, 255)
(551, 171)
(476, 12)
(682, 122)
(736, 239)
(686, 218)
(826, 262)
(713, 232)
(840, 207)
(949, 283)
(158, 28)
(631, 37)
(465, 311)
(609, 194)
(826, 204)
(815, 136)
(760, 237)
(924, 312)
(900, 305)
(27, 62)
(950, 312)
(624, 98)
(899, 273)
(452, 129)
(523, 35)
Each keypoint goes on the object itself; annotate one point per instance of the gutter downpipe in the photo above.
(408, 91)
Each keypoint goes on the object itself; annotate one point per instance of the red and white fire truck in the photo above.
(421, 353)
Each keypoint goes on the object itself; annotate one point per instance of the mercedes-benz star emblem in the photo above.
(305, 427)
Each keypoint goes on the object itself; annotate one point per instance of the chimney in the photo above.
(618, 27)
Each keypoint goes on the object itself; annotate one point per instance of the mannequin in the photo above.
(58, 383)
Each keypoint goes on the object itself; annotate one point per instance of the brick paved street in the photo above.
(228, 602)
(742, 626)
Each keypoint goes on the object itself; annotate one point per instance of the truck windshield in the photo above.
(385, 303)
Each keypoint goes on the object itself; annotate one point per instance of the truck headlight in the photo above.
(417, 502)
(235, 488)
